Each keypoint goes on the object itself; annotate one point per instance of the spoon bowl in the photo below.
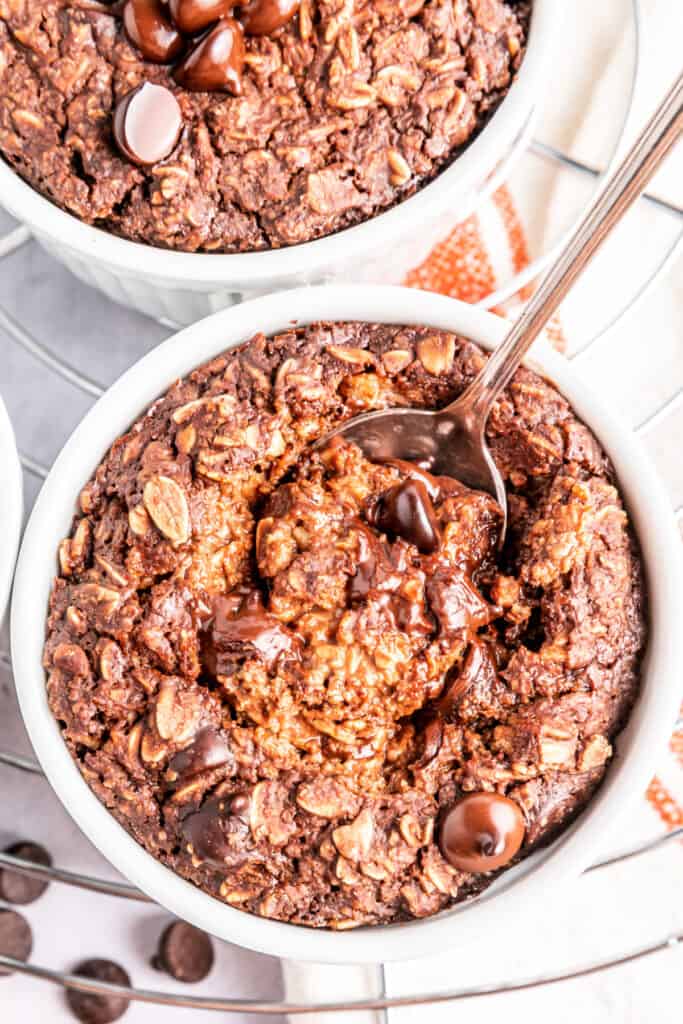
(452, 441)
(446, 443)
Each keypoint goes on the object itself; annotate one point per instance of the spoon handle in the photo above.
(618, 194)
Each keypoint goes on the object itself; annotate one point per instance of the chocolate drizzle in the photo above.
(242, 628)
(406, 511)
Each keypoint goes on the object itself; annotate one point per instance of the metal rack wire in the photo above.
(19, 237)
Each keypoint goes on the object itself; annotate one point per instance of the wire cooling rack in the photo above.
(49, 356)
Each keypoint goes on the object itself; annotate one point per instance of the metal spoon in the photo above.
(451, 442)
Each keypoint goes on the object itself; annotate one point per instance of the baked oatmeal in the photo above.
(284, 122)
(314, 685)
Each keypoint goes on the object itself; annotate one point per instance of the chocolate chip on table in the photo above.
(186, 953)
(16, 938)
(261, 17)
(149, 27)
(482, 832)
(216, 62)
(191, 16)
(91, 1007)
(147, 124)
(18, 888)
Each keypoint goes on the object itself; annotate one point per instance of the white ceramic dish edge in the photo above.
(184, 286)
(11, 506)
(515, 895)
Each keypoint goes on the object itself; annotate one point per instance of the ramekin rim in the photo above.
(506, 902)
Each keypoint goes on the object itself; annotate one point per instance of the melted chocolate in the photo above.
(209, 749)
(457, 604)
(479, 662)
(406, 511)
(209, 832)
(216, 62)
(482, 832)
(372, 561)
(242, 628)
(438, 487)
(149, 27)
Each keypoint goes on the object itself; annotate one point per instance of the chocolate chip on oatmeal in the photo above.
(185, 952)
(482, 832)
(216, 62)
(216, 834)
(18, 888)
(239, 805)
(209, 749)
(407, 511)
(91, 1007)
(16, 939)
(261, 17)
(147, 124)
(192, 16)
(149, 27)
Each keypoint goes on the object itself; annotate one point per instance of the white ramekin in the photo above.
(182, 287)
(523, 887)
(11, 506)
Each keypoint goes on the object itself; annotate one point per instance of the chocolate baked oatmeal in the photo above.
(231, 127)
(313, 685)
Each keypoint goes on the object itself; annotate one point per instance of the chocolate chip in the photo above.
(18, 888)
(246, 631)
(240, 805)
(92, 1008)
(261, 17)
(416, 471)
(147, 124)
(16, 939)
(406, 511)
(216, 62)
(149, 27)
(217, 832)
(191, 16)
(186, 953)
(482, 832)
(209, 749)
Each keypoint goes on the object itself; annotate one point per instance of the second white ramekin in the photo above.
(520, 892)
(182, 287)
